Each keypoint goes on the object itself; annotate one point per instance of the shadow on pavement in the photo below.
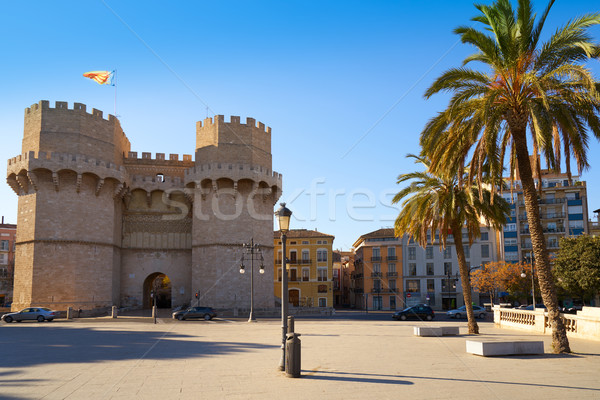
(25, 346)
(396, 379)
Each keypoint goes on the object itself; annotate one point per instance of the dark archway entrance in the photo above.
(160, 284)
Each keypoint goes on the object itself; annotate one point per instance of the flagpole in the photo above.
(115, 85)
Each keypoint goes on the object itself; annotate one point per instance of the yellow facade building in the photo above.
(309, 265)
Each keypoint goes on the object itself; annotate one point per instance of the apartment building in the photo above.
(310, 267)
(343, 265)
(376, 282)
(563, 212)
(8, 235)
(431, 274)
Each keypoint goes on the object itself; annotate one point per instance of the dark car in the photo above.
(420, 311)
(530, 307)
(39, 314)
(195, 312)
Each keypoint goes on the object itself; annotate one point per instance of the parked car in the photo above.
(480, 312)
(420, 311)
(195, 312)
(530, 307)
(39, 314)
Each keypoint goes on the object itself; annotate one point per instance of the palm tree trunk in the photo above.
(560, 342)
(464, 279)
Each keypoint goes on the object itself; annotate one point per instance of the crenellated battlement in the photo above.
(159, 159)
(63, 105)
(234, 172)
(65, 159)
(234, 120)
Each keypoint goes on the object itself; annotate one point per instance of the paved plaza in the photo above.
(345, 357)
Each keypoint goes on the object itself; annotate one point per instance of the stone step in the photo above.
(488, 348)
(425, 331)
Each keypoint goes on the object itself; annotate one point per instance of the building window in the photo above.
(305, 255)
(484, 236)
(322, 255)
(279, 274)
(377, 267)
(322, 301)
(485, 250)
(429, 252)
(392, 268)
(305, 242)
(448, 252)
(322, 274)
(412, 286)
(467, 250)
(391, 252)
(377, 284)
(392, 284)
(412, 269)
(447, 268)
(3, 259)
(429, 267)
(431, 285)
(305, 274)
(412, 253)
(4, 245)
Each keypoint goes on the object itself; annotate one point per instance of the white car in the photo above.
(462, 312)
(39, 314)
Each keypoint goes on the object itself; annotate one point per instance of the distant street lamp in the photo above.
(531, 261)
(252, 248)
(283, 218)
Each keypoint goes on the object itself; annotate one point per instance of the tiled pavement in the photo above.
(342, 358)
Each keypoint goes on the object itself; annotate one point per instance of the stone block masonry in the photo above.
(99, 226)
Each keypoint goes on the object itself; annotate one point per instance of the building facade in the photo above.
(343, 266)
(8, 237)
(377, 277)
(431, 274)
(310, 267)
(563, 212)
(108, 227)
(395, 272)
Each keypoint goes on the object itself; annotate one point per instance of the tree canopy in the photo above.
(577, 266)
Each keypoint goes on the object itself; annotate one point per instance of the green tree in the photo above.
(525, 87)
(442, 203)
(577, 266)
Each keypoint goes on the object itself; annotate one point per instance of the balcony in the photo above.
(391, 274)
(376, 290)
(376, 274)
(305, 262)
(391, 258)
(375, 259)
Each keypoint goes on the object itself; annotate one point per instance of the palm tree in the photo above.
(526, 87)
(442, 203)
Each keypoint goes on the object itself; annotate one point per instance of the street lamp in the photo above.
(449, 276)
(531, 260)
(252, 248)
(283, 218)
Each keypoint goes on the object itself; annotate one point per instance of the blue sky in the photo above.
(340, 83)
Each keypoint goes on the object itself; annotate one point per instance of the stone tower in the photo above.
(235, 190)
(70, 180)
(97, 224)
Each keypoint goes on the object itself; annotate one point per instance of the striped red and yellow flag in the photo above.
(102, 77)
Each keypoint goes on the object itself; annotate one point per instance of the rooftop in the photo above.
(302, 233)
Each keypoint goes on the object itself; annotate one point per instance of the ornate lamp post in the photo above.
(283, 218)
(531, 261)
(252, 248)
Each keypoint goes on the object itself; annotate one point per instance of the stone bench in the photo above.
(488, 348)
(435, 330)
